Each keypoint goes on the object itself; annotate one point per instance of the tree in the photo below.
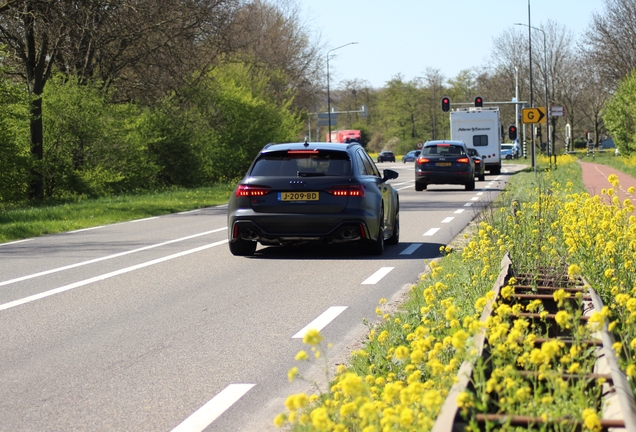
(611, 39)
(620, 115)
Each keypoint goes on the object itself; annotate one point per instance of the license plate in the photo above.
(443, 164)
(298, 196)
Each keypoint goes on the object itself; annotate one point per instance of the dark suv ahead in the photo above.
(313, 192)
(444, 162)
(386, 156)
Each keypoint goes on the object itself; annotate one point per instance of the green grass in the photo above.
(26, 221)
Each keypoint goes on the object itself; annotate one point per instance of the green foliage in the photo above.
(88, 143)
(620, 115)
(219, 126)
(14, 145)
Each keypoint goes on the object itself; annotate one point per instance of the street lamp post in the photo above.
(547, 108)
(328, 95)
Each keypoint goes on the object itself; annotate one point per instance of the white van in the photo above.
(479, 128)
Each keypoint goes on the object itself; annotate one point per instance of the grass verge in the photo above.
(55, 217)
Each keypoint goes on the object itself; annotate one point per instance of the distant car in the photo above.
(411, 156)
(298, 193)
(386, 156)
(480, 166)
(507, 151)
(444, 162)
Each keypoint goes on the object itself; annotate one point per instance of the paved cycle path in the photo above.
(595, 180)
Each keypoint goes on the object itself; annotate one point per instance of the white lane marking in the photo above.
(321, 322)
(204, 416)
(474, 199)
(107, 257)
(431, 232)
(189, 211)
(144, 219)
(448, 219)
(14, 242)
(409, 250)
(459, 211)
(480, 193)
(377, 276)
(468, 204)
(406, 187)
(85, 229)
(61, 289)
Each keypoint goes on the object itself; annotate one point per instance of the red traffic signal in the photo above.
(445, 104)
(479, 102)
(512, 133)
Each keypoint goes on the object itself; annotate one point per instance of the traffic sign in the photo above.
(557, 111)
(532, 115)
(420, 145)
(334, 116)
(325, 122)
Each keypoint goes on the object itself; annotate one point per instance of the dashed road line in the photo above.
(204, 416)
(377, 276)
(459, 211)
(321, 322)
(412, 248)
(431, 232)
(448, 219)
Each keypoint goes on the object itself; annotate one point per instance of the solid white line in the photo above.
(61, 289)
(14, 242)
(85, 229)
(189, 211)
(321, 322)
(431, 232)
(459, 211)
(204, 416)
(377, 276)
(406, 187)
(107, 257)
(448, 219)
(409, 250)
(145, 219)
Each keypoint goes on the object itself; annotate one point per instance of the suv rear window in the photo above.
(443, 150)
(301, 163)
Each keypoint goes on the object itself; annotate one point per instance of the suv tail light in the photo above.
(463, 160)
(347, 190)
(252, 190)
(422, 160)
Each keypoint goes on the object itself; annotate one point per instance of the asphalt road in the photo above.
(153, 325)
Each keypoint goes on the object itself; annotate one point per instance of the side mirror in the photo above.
(389, 174)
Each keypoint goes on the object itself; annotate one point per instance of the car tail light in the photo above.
(251, 190)
(422, 160)
(303, 151)
(477, 161)
(463, 160)
(347, 190)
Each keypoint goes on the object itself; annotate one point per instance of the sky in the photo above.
(408, 36)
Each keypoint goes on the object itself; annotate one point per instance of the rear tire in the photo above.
(482, 177)
(395, 238)
(471, 185)
(242, 247)
(420, 186)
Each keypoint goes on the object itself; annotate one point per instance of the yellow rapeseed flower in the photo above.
(312, 337)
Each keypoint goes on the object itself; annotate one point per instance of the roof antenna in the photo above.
(306, 144)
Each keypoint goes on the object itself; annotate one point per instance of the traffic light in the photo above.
(587, 135)
(512, 132)
(479, 102)
(445, 104)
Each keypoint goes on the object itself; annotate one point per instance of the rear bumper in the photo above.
(441, 177)
(279, 229)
